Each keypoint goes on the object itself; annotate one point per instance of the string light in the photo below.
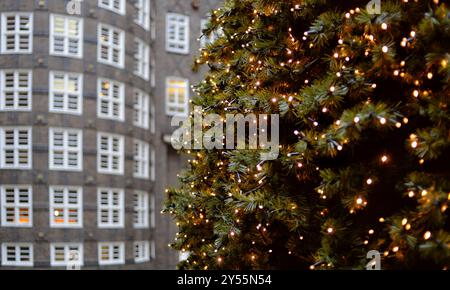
(369, 181)
(384, 26)
(330, 230)
(385, 49)
(384, 158)
(427, 235)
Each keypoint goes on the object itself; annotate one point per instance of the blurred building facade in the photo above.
(86, 98)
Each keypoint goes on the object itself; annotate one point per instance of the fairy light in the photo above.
(383, 121)
(404, 221)
(356, 119)
(385, 49)
(381, 220)
(415, 93)
(384, 158)
(429, 76)
(414, 144)
(330, 230)
(359, 200)
(424, 192)
(384, 26)
(369, 181)
(427, 235)
(332, 89)
(411, 193)
(371, 231)
(395, 249)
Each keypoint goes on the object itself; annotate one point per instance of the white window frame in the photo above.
(110, 99)
(110, 208)
(175, 45)
(110, 154)
(15, 90)
(143, 12)
(65, 36)
(66, 207)
(111, 46)
(141, 204)
(65, 149)
(67, 249)
(142, 59)
(16, 148)
(176, 104)
(141, 250)
(110, 6)
(141, 159)
(141, 109)
(111, 261)
(17, 205)
(17, 33)
(17, 262)
(66, 95)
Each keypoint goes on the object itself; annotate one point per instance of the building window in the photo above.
(17, 33)
(110, 154)
(152, 211)
(110, 208)
(111, 45)
(141, 59)
(63, 254)
(141, 108)
(140, 212)
(66, 93)
(15, 148)
(17, 254)
(117, 6)
(141, 162)
(17, 206)
(111, 100)
(177, 95)
(177, 34)
(142, 16)
(66, 207)
(65, 149)
(141, 251)
(66, 36)
(15, 90)
(111, 253)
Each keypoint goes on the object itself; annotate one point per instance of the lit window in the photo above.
(177, 34)
(111, 100)
(111, 253)
(142, 16)
(117, 6)
(15, 147)
(110, 153)
(110, 208)
(63, 254)
(141, 251)
(17, 254)
(17, 206)
(15, 90)
(141, 159)
(141, 209)
(66, 36)
(66, 207)
(66, 93)
(65, 149)
(141, 59)
(142, 111)
(17, 33)
(111, 45)
(177, 96)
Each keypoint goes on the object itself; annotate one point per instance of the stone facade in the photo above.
(167, 162)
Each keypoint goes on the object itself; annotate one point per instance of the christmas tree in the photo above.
(363, 165)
